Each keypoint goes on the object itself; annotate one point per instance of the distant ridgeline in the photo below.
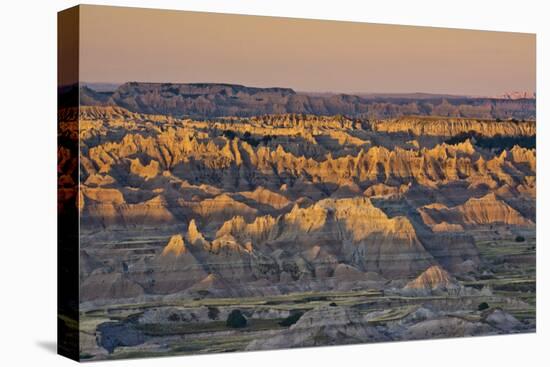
(205, 100)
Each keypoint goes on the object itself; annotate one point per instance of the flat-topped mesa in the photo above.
(218, 99)
(195, 89)
(454, 126)
(193, 99)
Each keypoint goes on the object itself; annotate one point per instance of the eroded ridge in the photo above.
(349, 229)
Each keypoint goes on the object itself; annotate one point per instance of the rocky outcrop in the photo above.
(264, 196)
(371, 234)
(382, 190)
(220, 208)
(502, 321)
(284, 202)
(146, 172)
(515, 94)
(175, 247)
(432, 278)
(175, 269)
(194, 236)
(235, 164)
(322, 326)
(448, 327)
(474, 212)
(214, 100)
(352, 228)
(256, 233)
(422, 126)
(107, 208)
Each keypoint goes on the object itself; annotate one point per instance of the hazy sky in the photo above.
(129, 44)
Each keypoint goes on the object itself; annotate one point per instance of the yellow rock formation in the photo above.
(175, 246)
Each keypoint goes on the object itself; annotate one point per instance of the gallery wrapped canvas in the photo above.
(234, 183)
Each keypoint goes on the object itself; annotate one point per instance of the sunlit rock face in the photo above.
(318, 220)
(293, 202)
(450, 127)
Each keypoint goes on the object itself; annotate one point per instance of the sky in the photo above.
(132, 44)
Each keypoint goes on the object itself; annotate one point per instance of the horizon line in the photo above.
(356, 93)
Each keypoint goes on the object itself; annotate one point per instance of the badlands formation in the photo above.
(208, 100)
(287, 199)
(270, 206)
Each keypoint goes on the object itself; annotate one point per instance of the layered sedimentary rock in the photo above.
(476, 211)
(174, 269)
(237, 164)
(215, 100)
(433, 277)
(449, 127)
(267, 197)
(268, 204)
(105, 285)
(353, 229)
(107, 208)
